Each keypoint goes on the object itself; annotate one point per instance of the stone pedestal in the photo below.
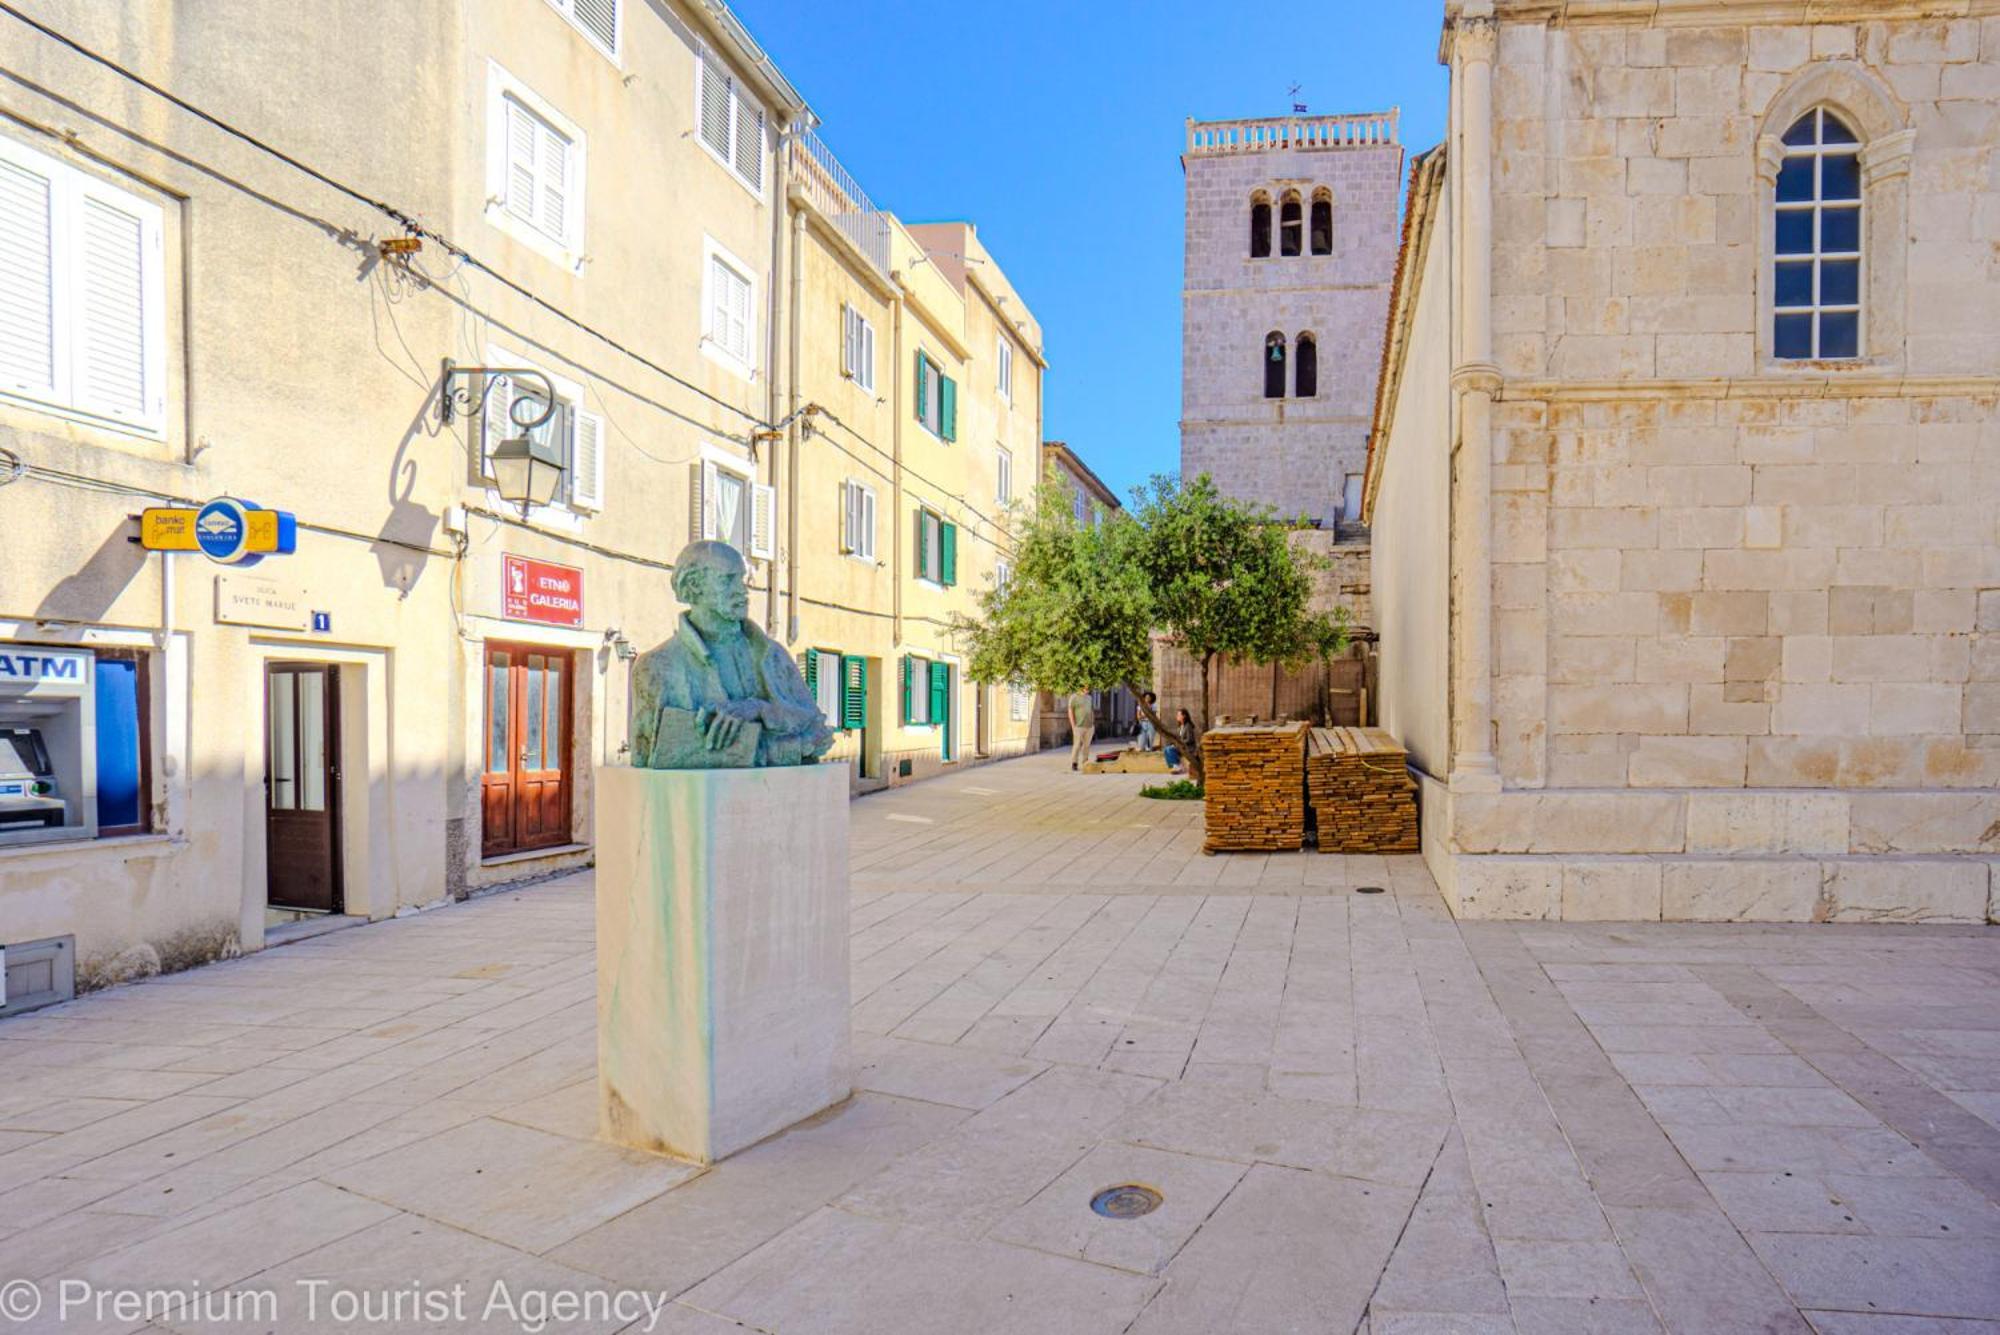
(722, 987)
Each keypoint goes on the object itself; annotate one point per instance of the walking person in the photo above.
(1082, 726)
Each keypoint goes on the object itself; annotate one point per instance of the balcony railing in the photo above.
(840, 198)
(1369, 130)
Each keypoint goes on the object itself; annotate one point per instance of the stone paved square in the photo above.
(1363, 1115)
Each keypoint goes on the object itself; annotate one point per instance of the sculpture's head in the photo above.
(709, 577)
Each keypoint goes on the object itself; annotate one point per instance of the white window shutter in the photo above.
(498, 424)
(744, 318)
(111, 372)
(712, 92)
(28, 343)
(703, 525)
(554, 193)
(763, 521)
(868, 523)
(523, 176)
(586, 489)
(867, 356)
(850, 356)
(749, 142)
(600, 19)
(848, 526)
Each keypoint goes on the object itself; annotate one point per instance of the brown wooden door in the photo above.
(524, 793)
(302, 786)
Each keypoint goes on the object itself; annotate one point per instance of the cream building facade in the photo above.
(596, 204)
(1685, 472)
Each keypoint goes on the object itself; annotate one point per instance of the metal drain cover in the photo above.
(1127, 1201)
(1367, 889)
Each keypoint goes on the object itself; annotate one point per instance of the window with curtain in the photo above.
(1816, 255)
(1274, 365)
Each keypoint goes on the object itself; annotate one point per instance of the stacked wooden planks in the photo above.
(1363, 798)
(1253, 777)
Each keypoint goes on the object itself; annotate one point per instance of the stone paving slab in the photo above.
(1363, 1116)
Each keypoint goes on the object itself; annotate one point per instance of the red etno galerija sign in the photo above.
(541, 591)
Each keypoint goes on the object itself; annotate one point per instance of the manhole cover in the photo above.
(1367, 889)
(1125, 1202)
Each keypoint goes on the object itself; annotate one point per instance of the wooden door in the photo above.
(302, 786)
(525, 789)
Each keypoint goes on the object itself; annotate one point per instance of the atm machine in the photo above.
(29, 799)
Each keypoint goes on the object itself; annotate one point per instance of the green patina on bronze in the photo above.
(721, 694)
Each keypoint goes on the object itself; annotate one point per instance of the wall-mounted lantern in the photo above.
(528, 467)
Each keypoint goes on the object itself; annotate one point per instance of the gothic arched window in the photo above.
(1816, 251)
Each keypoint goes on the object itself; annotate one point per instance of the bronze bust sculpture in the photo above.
(720, 693)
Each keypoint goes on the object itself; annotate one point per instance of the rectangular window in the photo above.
(824, 678)
(1003, 575)
(82, 292)
(1003, 368)
(599, 20)
(729, 313)
(1019, 699)
(1003, 487)
(916, 690)
(857, 520)
(857, 348)
(727, 505)
(576, 436)
(534, 170)
(731, 121)
(937, 399)
(937, 548)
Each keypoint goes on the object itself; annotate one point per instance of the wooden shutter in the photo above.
(849, 524)
(112, 308)
(923, 389)
(712, 96)
(498, 424)
(763, 520)
(809, 661)
(941, 694)
(923, 545)
(701, 500)
(523, 160)
(867, 523)
(28, 342)
(854, 692)
(599, 18)
(947, 553)
(907, 669)
(848, 357)
(749, 157)
(553, 198)
(947, 407)
(586, 489)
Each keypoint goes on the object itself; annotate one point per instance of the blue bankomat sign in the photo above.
(224, 530)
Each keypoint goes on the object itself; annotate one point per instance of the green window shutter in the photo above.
(923, 390)
(923, 545)
(941, 693)
(948, 407)
(854, 692)
(906, 690)
(948, 553)
(809, 660)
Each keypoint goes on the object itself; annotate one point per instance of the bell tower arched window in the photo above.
(1305, 372)
(1274, 365)
(1291, 224)
(1322, 223)
(1260, 226)
(1816, 249)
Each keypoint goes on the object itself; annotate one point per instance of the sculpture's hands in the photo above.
(723, 723)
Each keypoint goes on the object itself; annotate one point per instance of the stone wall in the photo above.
(1290, 453)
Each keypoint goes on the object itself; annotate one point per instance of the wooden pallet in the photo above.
(1254, 781)
(1363, 798)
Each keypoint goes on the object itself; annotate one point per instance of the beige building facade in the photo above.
(583, 217)
(1685, 472)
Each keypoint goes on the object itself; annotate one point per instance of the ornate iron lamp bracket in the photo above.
(454, 398)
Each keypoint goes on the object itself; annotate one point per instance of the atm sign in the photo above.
(541, 591)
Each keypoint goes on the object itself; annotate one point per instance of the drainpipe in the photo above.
(896, 525)
(1475, 381)
(774, 392)
(795, 432)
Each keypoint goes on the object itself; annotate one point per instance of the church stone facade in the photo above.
(1290, 243)
(1685, 474)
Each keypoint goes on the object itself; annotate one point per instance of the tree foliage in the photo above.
(1217, 576)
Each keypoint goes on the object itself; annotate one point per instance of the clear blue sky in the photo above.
(1056, 126)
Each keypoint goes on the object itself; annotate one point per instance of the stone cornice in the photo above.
(1888, 157)
(1476, 378)
(1731, 13)
(1844, 385)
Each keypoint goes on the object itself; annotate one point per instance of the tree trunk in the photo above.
(1197, 768)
